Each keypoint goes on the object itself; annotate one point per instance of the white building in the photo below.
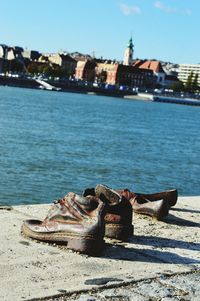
(186, 69)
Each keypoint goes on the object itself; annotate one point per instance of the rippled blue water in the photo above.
(53, 142)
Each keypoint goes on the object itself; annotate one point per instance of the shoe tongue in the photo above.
(55, 210)
(88, 203)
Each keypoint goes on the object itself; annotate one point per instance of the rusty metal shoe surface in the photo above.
(75, 221)
(169, 196)
(118, 218)
(156, 205)
(157, 209)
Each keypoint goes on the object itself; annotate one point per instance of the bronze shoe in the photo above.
(157, 209)
(169, 196)
(156, 205)
(118, 218)
(75, 221)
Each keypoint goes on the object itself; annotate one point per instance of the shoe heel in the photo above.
(119, 232)
(87, 246)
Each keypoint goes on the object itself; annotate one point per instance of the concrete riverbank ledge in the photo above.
(160, 262)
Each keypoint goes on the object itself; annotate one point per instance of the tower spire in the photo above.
(128, 54)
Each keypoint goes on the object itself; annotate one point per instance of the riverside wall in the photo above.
(65, 86)
(160, 262)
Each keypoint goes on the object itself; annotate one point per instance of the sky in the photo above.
(167, 30)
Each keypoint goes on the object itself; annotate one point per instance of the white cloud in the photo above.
(160, 5)
(171, 10)
(129, 10)
(187, 12)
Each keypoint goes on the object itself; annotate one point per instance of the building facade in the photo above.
(123, 75)
(65, 61)
(155, 67)
(85, 70)
(31, 55)
(186, 69)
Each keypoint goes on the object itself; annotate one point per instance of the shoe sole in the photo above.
(83, 244)
(119, 232)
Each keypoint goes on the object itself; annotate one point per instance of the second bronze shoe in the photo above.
(156, 205)
(118, 218)
(169, 196)
(157, 209)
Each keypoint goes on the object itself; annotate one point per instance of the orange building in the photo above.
(85, 70)
(154, 66)
(118, 74)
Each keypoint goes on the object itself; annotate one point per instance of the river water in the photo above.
(53, 142)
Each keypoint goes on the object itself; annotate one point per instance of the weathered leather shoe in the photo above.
(75, 221)
(157, 209)
(169, 196)
(156, 205)
(118, 218)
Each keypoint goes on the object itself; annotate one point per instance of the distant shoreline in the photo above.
(65, 87)
(90, 90)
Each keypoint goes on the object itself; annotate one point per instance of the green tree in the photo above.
(32, 68)
(47, 70)
(189, 83)
(178, 86)
(16, 66)
(192, 83)
(195, 83)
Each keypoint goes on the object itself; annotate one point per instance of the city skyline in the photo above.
(163, 30)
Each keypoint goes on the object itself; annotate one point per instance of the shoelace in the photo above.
(59, 201)
(73, 206)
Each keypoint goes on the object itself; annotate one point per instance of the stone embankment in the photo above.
(160, 262)
(64, 86)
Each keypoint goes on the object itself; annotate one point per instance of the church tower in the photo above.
(128, 54)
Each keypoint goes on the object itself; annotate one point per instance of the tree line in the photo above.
(190, 86)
